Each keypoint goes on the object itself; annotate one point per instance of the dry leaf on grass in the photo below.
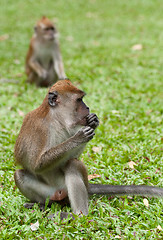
(70, 38)
(92, 176)
(95, 43)
(90, 15)
(21, 113)
(18, 75)
(131, 164)
(96, 149)
(146, 203)
(34, 226)
(137, 47)
(17, 61)
(159, 228)
(4, 37)
(147, 159)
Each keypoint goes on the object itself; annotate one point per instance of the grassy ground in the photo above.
(124, 88)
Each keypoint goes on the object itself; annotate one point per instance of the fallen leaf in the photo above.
(4, 37)
(147, 159)
(16, 61)
(55, 20)
(159, 228)
(113, 179)
(90, 15)
(21, 113)
(137, 47)
(34, 226)
(93, 176)
(69, 38)
(131, 164)
(19, 75)
(148, 112)
(157, 171)
(146, 203)
(95, 43)
(96, 149)
(115, 111)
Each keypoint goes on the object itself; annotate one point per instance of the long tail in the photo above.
(142, 190)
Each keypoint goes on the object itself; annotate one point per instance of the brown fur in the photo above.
(43, 64)
(48, 145)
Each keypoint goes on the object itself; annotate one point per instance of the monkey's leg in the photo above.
(32, 77)
(76, 187)
(35, 190)
(52, 76)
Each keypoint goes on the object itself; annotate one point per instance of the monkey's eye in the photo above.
(49, 28)
(79, 99)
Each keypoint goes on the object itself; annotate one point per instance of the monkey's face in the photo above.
(46, 33)
(71, 109)
(81, 111)
(49, 33)
(75, 109)
(67, 102)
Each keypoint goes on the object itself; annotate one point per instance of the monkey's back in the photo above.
(31, 139)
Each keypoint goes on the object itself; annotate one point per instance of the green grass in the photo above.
(124, 87)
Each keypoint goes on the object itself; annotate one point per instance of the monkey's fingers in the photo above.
(92, 120)
(85, 134)
(92, 116)
(93, 124)
(89, 133)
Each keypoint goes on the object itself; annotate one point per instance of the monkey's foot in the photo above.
(30, 205)
(63, 215)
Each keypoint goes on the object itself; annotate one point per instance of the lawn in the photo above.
(112, 51)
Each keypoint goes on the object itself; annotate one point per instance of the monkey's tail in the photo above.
(142, 190)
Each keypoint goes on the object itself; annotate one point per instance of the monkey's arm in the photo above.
(142, 190)
(53, 156)
(58, 63)
(36, 67)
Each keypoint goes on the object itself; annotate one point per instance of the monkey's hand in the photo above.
(43, 74)
(85, 134)
(92, 120)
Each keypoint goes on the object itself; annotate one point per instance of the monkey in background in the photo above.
(44, 65)
(49, 144)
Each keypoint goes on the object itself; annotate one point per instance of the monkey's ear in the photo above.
(52, 98)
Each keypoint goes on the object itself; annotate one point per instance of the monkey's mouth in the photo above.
(83, 121)
(49, 38)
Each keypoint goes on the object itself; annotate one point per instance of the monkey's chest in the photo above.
(45, 58)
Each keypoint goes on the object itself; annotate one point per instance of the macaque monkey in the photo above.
(44, 64)
(49, 144)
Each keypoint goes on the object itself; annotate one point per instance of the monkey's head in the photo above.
(45, 29)
(66, 100)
